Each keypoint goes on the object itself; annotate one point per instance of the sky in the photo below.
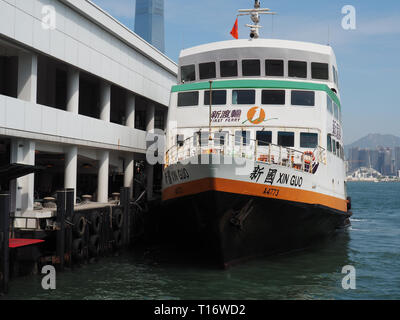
(368, 57)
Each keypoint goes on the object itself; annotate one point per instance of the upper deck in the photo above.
(277, 92)
(259, 58)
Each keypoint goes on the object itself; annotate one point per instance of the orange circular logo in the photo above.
(256, 115)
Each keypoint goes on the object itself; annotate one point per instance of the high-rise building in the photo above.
(374, 156)
(363, 158)
(354, 159)
(397, 158)
(149, 22)
(385, 161)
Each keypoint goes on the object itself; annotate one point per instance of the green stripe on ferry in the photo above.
(257, 84)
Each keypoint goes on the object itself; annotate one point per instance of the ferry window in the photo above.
(239, 135)
(201, 137)
(337, 78)
(298, 69)
(303, 98)
(337, 148)
(320, 71)
(329, 104)
(286, 139)
(329, 143)
(264, 138)
(243, 97)
(308, 140)
(251, 68)
(207, 70)
(220, 138)
(188, 73)
(336, 111)
(334, 146)
(229, 68)
(273, 97)
(180, 139)
(186, 99)
(274, 68)
(218, 97)
(334, 74)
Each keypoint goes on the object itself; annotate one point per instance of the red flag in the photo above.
(235, 30)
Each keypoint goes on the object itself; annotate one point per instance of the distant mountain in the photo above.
(374, 140)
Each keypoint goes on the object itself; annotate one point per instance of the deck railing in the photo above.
(241, 147)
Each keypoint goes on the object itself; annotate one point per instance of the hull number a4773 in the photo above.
(271, 192)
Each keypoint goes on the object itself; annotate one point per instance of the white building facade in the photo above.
(78, 91)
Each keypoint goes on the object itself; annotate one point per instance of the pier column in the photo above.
(27, 76)
(102, 187)
(105, 101)
(22, 189)
(71, 169)
(128, 174)
(4, 242)
(150, 114)
(130, 110)
(73, 90)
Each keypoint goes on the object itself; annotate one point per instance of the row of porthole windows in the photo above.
(252, 68)
(335, 147)
(247, 97)
(264, 137)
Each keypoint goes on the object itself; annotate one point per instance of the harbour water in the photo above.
(372, 246)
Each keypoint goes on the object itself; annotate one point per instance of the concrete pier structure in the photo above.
(76, 99)
(71, 169)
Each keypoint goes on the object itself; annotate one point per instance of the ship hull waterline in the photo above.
(230, 228)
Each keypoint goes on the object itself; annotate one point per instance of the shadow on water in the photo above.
(168, 273)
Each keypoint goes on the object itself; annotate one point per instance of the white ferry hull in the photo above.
(237, 212)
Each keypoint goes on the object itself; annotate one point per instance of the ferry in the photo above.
(254, 160)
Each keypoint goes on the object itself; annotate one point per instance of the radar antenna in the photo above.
(255, 17)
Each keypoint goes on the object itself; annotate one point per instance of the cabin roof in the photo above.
(258, 43)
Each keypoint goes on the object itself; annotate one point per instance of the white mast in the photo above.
(255, 17)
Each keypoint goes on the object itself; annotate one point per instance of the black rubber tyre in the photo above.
(79, 223)
(95, 222)
(118, 239)
(348, 203)
(117, 218)
(77, 249)
(94, 246)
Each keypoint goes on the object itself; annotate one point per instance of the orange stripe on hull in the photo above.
(253, 189)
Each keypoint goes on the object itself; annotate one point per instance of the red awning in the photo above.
(17, 243)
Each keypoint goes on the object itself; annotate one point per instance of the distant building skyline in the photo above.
(149, 22)
(383, 159)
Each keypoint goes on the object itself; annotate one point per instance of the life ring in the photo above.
(311, 155)
(95, 222)
(117, 218)
(348, 201)
(79, 224)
